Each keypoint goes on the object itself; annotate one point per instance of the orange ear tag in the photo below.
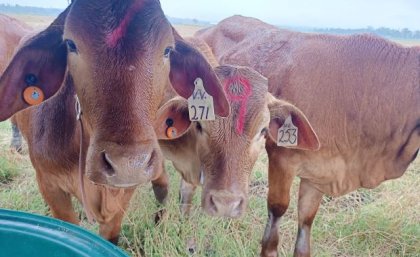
(171, 132)
(33, 95)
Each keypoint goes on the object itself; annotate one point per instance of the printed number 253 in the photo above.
(200, 112)
(288, 136)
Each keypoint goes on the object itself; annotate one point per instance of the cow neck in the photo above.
(82, 162)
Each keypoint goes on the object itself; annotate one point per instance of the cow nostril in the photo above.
(152, 159)
(238, 205)
(212, 203)
(109, 169)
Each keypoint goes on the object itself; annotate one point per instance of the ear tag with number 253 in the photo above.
(200, 103)
(288, 134)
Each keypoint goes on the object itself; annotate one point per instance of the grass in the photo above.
(8, 169)
(380, 222)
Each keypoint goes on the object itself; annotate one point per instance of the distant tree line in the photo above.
(384, 32)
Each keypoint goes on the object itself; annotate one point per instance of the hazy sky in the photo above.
(310, 13)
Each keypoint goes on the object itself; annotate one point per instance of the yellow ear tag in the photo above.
(33, 95)
(171, 132)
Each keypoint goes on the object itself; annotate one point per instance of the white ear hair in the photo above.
(174, 100)
(270, 98)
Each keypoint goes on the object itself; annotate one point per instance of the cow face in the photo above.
(226, 149)
(119, 55)
(230, 147)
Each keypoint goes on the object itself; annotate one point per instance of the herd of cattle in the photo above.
(340, 112)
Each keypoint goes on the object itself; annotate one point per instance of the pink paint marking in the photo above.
(242, 99)
(113, 37)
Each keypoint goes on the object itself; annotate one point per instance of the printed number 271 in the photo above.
(200, 112)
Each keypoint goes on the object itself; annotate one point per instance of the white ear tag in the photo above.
(288, 134)
(200, 103)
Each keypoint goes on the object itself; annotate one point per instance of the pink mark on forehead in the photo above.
(241, 98)
(114, 36)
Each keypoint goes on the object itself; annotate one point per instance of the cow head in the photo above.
(119, 56)
(227, 148)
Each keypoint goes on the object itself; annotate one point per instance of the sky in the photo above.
(396, 14)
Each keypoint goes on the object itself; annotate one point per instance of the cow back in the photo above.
(361, 93)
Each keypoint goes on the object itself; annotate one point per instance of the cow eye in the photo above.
(167, 52)
(71, 46)
(264, 131)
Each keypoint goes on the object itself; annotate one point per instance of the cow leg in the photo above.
(16, 143)
(309, 201)
(279, 184)
(57, 199)
(111, 210)
(186, 194)
(111, 229)
(160, 186)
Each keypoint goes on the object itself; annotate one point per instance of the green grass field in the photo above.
(380, 222)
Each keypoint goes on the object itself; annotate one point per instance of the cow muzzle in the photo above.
(223, 203)
(123, 166)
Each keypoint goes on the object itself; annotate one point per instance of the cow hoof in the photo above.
(16, 148)
(114, 240)
(159, 216)
(191, 247)
(269, 253)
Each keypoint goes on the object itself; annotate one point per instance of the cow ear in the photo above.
(40, 62)
(172, 120)
(188, 64)
(280, 111)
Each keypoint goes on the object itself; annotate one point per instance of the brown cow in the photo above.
(11, 32)
(53, 139)
(119, 58)
(220, 154)
(361, 94)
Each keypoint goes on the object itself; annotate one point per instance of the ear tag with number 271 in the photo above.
(200, 103)
(288, 134)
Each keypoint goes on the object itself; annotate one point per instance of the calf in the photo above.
(117, 58)
(53, 138)
(361, 94)
(207, 150)
(220, 154)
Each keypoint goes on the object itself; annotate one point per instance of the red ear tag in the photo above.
(171, 132)
(33, 95)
